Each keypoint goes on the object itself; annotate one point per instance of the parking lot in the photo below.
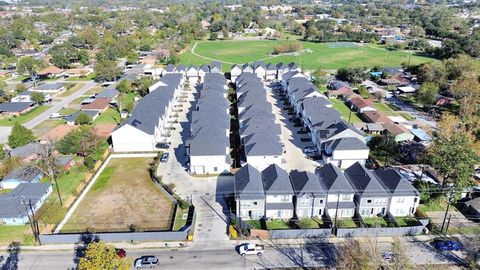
(293, 156)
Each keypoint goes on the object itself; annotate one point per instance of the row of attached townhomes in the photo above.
(193, 73)
(209, 143)
(259, 134)
(338, 142)
(274, 193)
(266, 72)
(150, 121)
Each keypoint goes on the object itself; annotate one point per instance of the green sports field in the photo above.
(313, 55)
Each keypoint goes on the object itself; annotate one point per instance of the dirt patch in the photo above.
(58, 132)
(123, 199)
(104, 130)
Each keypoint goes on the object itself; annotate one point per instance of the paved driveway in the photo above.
(293, 156)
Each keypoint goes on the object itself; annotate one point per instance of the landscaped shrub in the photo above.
(287, 48)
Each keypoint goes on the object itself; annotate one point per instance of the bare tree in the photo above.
(352, 256)
(400, 260)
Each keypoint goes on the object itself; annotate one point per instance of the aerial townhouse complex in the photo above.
(341, 188)
(209, 144)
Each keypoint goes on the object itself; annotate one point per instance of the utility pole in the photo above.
(35, 222)
(448, 223)
(336, 209)
(32, 226)
(449, 200)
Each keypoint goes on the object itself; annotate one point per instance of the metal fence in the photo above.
(300, 233)
(387, 231)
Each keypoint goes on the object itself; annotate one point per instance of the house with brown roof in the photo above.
(342, 92)
(400, 133)
(51, 72)
(360, 104)
(99, 104)
(375, 117)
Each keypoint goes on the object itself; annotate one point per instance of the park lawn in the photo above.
(123, 198)
(110, 116)
(45, 126)
(346, 223)
(89, 77)
(374, 222)
(277, 225)
(179, 220)
(313, 56)
(17, 233)
(406, 221)
(343, 109)
(11, 120)
(71, 90)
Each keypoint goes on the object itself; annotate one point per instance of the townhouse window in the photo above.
(285, 198)
(215, 169)
(400, 200)
(369, 201)
(415, 200)
(255, 203)
(345, 197)
(321, 201)
(304, 201)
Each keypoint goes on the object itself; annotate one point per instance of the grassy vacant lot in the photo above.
(46, 126)
(345, 111)
(315, 55)
(122, 198)
(11, 120)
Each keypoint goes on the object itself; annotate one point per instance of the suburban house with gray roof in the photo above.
(370, 196)
(340, 198)
(149, 122)
(19, 176)
(209, 143)
(404, 198)
(310, 196)
(278, 193)
(12, 208)
(249, 193)
(28, 152)
(50, 88)
(15, 108)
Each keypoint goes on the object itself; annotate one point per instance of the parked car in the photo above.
(251, 249)
(164, 157)
(162, 145)
(309, 149)
(447, 245)
(55, 115)
(121, 253)
(146, 262)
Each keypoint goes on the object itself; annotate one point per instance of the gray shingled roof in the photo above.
(333, 180)
(27, 150)
(346, 143)
(25, 174)
(170, 68)
(364, 182)
(248, 184)
(204, 68)
(394, 183)
(216, 67)
(72, 117)
(335, 85)
(11, 205)
(271, 66)
(48, 86)
(262, 144)
(11, 107)
(108, 93)
(306, 183)
(276, 181)
(258, 64)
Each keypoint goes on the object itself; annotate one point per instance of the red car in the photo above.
(121, 253)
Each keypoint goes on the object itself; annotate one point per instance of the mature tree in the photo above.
(351, 255)
(9, 164)
(63, 55)
(132, 58)
(432, 72)
(128, 106)
(20, 135)
(29, 65)
(353, 75)
(82, 140)
(107, 71)
(467, 91)
(461, 67)
(141, 85)
(427, 94)
(363, 91)
(37, 97)
(454, 153)
(124, 87)
(83, 57)
(401, 261)
(83, 119)
(100, 256)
